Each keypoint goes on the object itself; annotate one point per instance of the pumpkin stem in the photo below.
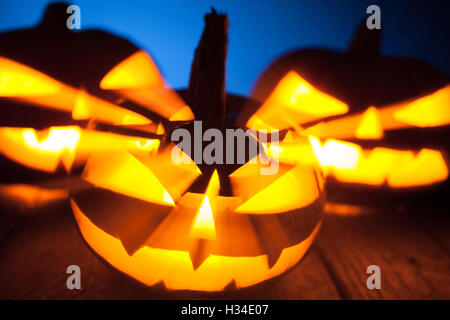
(55, 17)
(365, 41)
(207, 82)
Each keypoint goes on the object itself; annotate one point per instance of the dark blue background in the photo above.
(259, 30)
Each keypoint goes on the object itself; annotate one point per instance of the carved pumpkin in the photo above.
(189, 225)
(47, 66)
(376, 122)
(203, 226)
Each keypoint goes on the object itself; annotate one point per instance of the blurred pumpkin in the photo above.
(379, 125)
(50, 90)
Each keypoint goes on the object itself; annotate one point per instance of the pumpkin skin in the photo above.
(363, 78)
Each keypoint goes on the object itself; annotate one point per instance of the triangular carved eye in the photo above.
(295, 101)
(138, 79)
(23, 83)
(17, 80)
(135, 72)
(430, 111)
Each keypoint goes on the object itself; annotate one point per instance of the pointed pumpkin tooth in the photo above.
(199, 252)
(272, 257)
(131, 245)
(231, 286)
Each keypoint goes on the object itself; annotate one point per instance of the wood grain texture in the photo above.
(412, 265)
(412, 252)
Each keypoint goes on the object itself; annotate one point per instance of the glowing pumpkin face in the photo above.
(205, 227)
(372, 120)
(139, 213)
(190, 226)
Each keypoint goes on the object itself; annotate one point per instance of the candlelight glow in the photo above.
(370, 126)
(429, 111)
(336, 154)
(349, 163)
(203, 226)
(26, 84)
(174, 268)
(137, 78)
(343, 209)
(19, 80)
(295, 101)
(432, 110)
(121, 172)
(161, 165)
(45, 149)
(136, 71)
(300, 180)
(43, 152)
(29, 197)
(204, 222)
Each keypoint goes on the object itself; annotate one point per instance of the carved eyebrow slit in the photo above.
(21, 82)
(295, 101)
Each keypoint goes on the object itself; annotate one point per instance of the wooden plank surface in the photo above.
(412, 252)
(412, 265)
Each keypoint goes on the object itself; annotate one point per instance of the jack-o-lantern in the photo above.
(59, 70)
(189, 225)
(379, 125)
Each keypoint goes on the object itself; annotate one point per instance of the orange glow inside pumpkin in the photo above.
(263, 190)
(370, 126)
(136, 71)
(348, 162)
(295, 98)
(336, 154)
(19, 80)
(295, 102)
(46, 149)
(137, 78)
(429, 111)
(121, 172)
(344, 209)
(161, 165)
(24, 83)
(174, 268)
(29, 196)
(130, 166)
(203, 226)
(432, 110)
(24, 146)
